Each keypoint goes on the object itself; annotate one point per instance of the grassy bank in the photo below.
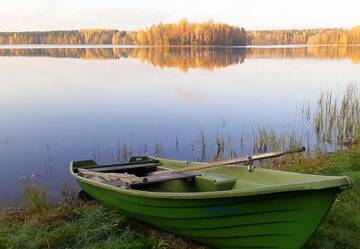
(73, 224)
(341, 227)
(78, 225)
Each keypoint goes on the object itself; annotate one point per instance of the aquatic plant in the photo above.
(337, 118)
(36, 199)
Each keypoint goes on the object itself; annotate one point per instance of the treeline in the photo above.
(181, 33)
(310, 36)
(73, 37)
(280, 37)
(336, 37)
(186, 33)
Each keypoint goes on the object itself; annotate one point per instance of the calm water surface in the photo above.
(62, 104)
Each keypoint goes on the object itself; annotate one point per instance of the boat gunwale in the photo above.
(332, 183)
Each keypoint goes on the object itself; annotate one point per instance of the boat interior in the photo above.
(215, 179)
(145, 166)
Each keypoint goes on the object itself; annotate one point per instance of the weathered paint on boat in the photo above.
(265, 208)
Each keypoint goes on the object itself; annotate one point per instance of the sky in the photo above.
(25, 15)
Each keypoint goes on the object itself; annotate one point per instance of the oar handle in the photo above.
(275, 154)
(297, 150)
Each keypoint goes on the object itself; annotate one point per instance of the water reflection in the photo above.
(316, 52)
(195, 57)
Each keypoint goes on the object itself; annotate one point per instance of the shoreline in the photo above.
(54, 223)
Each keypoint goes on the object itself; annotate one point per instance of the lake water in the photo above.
(65, 103)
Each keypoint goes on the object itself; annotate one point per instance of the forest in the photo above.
(186, 33)
(72, 37)
(181, 33)
(309, 36)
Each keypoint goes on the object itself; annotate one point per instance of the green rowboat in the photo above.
(228, 207)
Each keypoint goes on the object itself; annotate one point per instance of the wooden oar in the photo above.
(243, 159)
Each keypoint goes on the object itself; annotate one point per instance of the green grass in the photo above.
(71, 224)
(341, 227)
(74, 224)
(88, 226)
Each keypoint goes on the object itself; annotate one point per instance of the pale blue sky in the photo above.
(16, 15)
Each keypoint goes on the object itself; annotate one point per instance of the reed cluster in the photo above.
(337, 118)
(331, 122)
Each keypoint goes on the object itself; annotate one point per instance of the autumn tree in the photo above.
(186, 33)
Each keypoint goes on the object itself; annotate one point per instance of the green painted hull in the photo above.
(229, 219)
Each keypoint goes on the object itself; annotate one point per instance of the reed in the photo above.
(203, 146)
(4, 141)
(177, 143)
(220, 148)
(231, 149)
(337, 118)
(126, 151)
(145, 149)
(70, 195)
(333, 121)
(158, 149)
(265, 139)
(36, 199)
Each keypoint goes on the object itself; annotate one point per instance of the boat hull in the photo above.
(277, 220)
